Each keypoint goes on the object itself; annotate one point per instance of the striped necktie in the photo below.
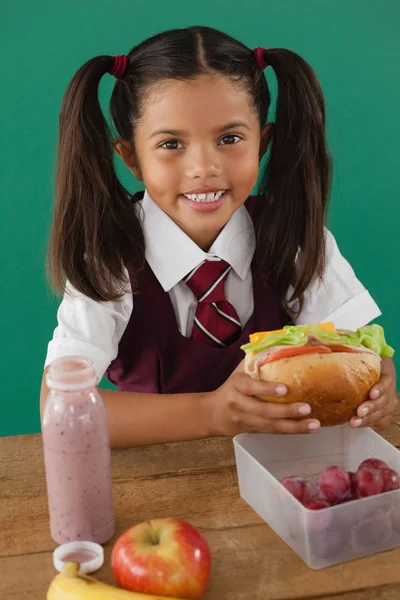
(216, 321)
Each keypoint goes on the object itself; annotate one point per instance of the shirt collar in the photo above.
(171, 253)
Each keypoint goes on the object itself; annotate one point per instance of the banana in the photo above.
(70, 584)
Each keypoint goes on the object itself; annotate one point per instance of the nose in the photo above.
(203, 163)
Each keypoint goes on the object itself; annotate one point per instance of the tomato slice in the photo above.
(295, 351)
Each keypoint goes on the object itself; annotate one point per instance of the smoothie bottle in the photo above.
(77, 454)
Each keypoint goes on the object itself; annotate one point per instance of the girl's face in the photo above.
(197, 150)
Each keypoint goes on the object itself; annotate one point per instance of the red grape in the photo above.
(318, 521)
(390, 480)
(367, 482)
(375, 463)
(327, 545)
(371, 532)
(334, 484)
(346, 500)
(299, 487)
(316, 504)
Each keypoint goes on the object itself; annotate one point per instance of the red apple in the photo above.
(164, 557)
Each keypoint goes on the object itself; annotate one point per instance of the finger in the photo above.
(383, 385)
(371, 419)
(371, 406)
(255, 387)
(271, 410)
(282, 426)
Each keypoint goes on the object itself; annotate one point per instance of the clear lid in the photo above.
(71, 373)
(89, 556)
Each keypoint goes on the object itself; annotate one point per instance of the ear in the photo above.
(266, 136)
(125, 150)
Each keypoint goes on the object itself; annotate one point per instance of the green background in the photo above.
(354, 47)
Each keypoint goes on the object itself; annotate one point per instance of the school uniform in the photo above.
(143, 342)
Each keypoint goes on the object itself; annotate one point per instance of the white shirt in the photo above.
(94, 329)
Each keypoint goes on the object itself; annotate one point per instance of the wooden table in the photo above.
(195, 481)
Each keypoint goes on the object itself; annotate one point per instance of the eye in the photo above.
(230, 139)
(171, 145)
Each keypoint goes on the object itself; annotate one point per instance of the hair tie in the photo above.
(119, 66)
(259, 54)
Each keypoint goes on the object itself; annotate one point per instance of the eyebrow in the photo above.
(180, 132)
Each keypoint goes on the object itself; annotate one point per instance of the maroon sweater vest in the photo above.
(153, 356)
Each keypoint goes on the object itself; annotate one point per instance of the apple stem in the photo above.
(153, 534)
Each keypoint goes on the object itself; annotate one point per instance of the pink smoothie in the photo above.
(80, 556)
(78, 466)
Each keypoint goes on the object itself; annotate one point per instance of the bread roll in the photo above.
(334, 385)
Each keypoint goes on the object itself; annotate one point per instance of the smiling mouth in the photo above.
(205, 198)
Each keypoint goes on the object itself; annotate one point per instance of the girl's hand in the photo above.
(379, 410)
(233, 408)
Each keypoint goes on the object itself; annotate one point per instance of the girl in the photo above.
(163, 288)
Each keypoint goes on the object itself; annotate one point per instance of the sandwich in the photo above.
(330, 369)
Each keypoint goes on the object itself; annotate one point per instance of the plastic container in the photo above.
(77, 454)
(333, 535)
(89, 556)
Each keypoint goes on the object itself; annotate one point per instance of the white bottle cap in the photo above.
(71, 374)
(92, 553)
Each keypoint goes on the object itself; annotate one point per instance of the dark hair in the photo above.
(95, 229)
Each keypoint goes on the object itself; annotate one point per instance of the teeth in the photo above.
(212, 197)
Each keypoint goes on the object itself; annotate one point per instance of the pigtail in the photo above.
(296, 181)
(95, 229)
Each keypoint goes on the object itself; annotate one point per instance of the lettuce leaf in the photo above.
(369, 336)
(373, 337)
(292, 336)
